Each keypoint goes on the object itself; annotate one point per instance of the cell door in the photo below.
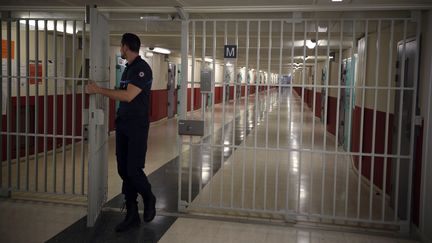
(402, 122)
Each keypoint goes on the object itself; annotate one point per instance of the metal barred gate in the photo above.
(46, 116)
(275, 150)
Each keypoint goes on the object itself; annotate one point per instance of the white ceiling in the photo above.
(160, 26)
(221, 5)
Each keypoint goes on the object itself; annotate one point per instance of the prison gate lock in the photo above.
(191, 127)
(96, 116)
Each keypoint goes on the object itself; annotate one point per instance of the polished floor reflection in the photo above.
(199, 230)
(278, 161)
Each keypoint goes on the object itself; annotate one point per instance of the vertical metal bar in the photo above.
(389, 84)
(9, 101)
(372, 174)
(279, 100)
(46, 109)
(193, 69)
(425, 165)
(213, 107)
(27, 115)
(223, 143)
(180, 167)
(83, 101)
(234, 120)
(256, 110)
(324, 158)
(183, 97)
(73, 103)
(235, 113)
(64, 106)
(36, 129)
(414, 105)
(55, 109)
(267, 108)
(18, 104)
(337, 116)
(302, 118)
(301, 112)
(268, 85)
(190, 171)
(289, 121)
(202, 95)
(203, 64)
(354, 46)
(246, 113)
(184, 69)
(314, 90)
(400, 119)
(362, 121)
(192, 110)
(280, 83)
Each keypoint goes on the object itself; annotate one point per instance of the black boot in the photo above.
(132, 218)
(149, 209)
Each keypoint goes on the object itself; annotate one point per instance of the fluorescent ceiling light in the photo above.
(311, 44)
(160, 50)
(208, 59)
(322, 29)
(228, 64)
(152, 17)
(337, 0)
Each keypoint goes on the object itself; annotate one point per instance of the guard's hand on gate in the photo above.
(92, 88)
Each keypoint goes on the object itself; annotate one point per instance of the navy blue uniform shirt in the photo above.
(139, 74)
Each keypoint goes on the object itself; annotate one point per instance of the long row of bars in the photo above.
(31, 158)
(363, 87)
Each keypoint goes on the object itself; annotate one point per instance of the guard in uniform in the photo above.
(132, 127)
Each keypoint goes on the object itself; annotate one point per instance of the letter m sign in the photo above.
(230, 51)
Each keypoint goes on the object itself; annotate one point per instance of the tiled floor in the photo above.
(198, 230)
(37, 222)
(317, 183)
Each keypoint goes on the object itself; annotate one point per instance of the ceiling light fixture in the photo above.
(148, 54)
(337, 0)
(322, 29)
(160, 50)
(311, 43)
